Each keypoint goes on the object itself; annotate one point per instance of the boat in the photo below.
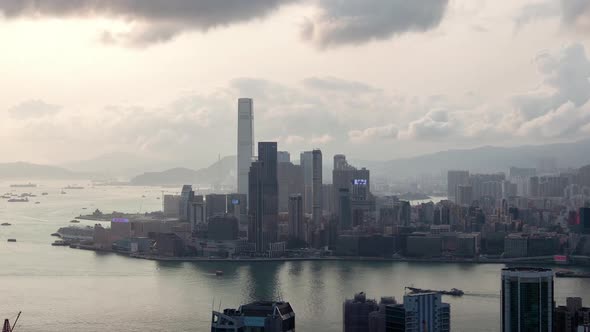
(63, 192)
(60, 243)
(18, 200)
(5, 196)
(74, 187)
(5, 224)
(55, 234)
(37, 202)
(44, 194)
(11, 240)
(452, 292)
(571, 274)
(218, 273)
(74, 221)
(25, 185)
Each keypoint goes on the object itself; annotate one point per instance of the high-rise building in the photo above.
(345, 210)
(585, 220)
(263, 197)
(420, 312)
(171, 206)
(296, 229)
(216, 205)
(527, 299)
(357, 181)
(356, 313)
(306, 162)
(572, 317)
(245, 142)
(317, 187)
(290, 179)
(185, 196)
(464, 195)
(256, 316)
(283, 157)
(455, 179)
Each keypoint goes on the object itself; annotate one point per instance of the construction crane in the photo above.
(7, 327)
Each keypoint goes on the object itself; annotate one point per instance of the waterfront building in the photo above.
(356, 313)
(120, 229)
(245, 142)
(171, 206)
(527, 299)
(317, 187)
(222, 228)
(263, 197)
(196, 213)
(455, 179)
(420, 312)
(256, 316)
(215, 205)
(306, 162)
(185, 196)
(356, 181)
(296, 227)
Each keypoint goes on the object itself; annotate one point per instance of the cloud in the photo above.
(322, 139)
(434, 125)
(336, 84)
(389, 131)
(356, 22)
(33, 109)
(574, 14)
(152, 20)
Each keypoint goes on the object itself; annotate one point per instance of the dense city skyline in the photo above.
(359, 79)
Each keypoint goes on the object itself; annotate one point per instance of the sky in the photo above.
(374, 79)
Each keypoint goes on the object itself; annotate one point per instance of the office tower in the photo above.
(317, 187)
(420, 312)
(245, 142)
(185, 196)
(215, 205)
(171, 206)
(283, 157)
(222, 228)
(296, 229)
(263, 197)
(290, 179)
(328, 199)
(357, 181)
(572, 317)
(236, 206)
(527, 299)
(255, 316)
(356, 313)
(345, 210)
(534, 186)
(306, 161)
(464, 195)
(196, 213)
(455, 179)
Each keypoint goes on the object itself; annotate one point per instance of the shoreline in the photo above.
(505, 261)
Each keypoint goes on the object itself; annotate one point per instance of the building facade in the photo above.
(245, 142)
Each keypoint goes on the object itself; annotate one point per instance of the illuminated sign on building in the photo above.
(235, 201)
(360, 182)
(120, 220)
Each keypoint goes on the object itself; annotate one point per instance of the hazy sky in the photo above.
(375, 79)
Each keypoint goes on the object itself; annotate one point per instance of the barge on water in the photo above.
(572, 274)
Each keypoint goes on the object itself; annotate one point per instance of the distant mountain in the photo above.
(23, 170)
(118, 164)
(482, 159)
(221, 172)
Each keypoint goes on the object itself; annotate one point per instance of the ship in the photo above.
(571, 274)
(60, 243)
(44, 194)
(452, 292)
(11, 240)
(74, 187)
(25, 185)
(18, 200)
(5, 224)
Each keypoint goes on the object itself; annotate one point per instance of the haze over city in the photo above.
(283, 165)
(378, 80)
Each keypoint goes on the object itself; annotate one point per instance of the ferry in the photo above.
(60, 243)
(74, 221)
(452, 292)
(26, 185)
(44, 194)
(74, 187)
(5, 224)
(11, 240)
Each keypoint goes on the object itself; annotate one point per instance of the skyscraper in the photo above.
(296, 229)
(263, 197)
(255, 316)
(306, 161)
(356, 313)
(317, 187)
(185, 196)
(527, 299)
(245, 142)
(455, 179)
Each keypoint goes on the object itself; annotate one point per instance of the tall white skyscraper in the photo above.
(245, 142)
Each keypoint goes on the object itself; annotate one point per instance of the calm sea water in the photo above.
(62, 289)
